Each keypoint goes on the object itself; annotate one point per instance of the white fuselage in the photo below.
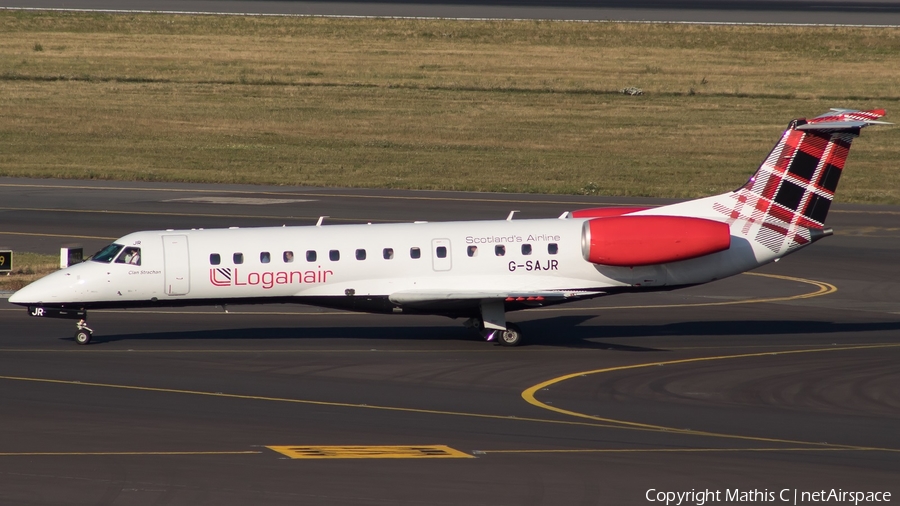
(191, 267)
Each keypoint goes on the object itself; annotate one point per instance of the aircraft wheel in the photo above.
(83, 336)
(512, 336)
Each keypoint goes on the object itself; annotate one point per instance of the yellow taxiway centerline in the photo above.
(358, 196)
(684, 450)
(86, 454)
(822, 288)
(182, 215)
(529, 395)
(32, 234)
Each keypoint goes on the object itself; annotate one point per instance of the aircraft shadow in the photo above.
(563, 331)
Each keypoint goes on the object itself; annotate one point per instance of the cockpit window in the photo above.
(130, 255)
(107, 254)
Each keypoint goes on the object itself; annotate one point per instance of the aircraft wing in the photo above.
(436, 296)
(490, 304)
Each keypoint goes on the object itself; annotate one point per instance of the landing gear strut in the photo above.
(84, 333)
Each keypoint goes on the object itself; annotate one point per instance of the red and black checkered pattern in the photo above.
(793, 188)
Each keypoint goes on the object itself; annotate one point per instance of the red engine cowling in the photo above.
(630, 241)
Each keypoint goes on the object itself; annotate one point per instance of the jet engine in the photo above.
(629, 241)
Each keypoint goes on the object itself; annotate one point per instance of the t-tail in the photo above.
(784, 205)
(791, 192)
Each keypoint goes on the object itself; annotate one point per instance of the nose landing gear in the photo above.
(84, 333)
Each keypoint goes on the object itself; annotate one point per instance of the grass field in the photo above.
(494, 106)
(27, 267)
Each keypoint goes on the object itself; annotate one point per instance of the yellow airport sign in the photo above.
(371, 452)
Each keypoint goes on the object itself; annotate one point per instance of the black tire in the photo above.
(512, 336)
(83, 337)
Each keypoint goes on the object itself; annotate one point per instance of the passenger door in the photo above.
(440, 254)
(178, 267)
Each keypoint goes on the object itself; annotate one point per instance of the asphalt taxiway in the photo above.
(841, 12)
(786, 378)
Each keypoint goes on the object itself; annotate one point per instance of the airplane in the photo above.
(478, 270)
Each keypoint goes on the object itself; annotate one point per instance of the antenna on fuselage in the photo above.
(511, 213)
(321, 219)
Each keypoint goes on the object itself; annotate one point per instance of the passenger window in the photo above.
(130, 255)
(238, 258)
(388, 253)
(215, 259)
(107, 254)
(415, 253)
(552, 248)
(441, 251)
(334, 255)
(360, 254)
(472, 251)
(265, 257)
(311, 256)
(288, 257)
(499, 250)
(526, 249)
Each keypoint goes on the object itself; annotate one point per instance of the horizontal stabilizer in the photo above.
(843, 119)
(833, 125)
(840, 125)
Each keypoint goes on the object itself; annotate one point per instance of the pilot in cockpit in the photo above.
(131, 256)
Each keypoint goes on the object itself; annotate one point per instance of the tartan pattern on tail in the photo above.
(793, 188)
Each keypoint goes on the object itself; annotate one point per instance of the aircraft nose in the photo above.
(40, 291)
(28, 295)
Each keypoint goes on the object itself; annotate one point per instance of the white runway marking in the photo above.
(247, 201)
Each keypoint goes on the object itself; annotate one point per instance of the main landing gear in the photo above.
(493, 326)
(84, 333)
(512, 336)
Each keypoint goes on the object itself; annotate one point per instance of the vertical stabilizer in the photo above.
(792, 190)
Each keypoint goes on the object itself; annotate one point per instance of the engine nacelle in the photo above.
(629, 241)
